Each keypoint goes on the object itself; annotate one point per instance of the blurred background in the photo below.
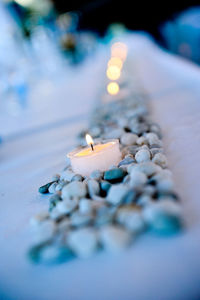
(40, 39)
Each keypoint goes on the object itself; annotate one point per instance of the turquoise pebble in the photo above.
(44, 189)
(114, 174)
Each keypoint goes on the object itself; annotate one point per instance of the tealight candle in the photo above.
(95, 157)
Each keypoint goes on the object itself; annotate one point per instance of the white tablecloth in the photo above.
(154, 267)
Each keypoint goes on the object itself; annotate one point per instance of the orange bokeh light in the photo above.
(119, 50)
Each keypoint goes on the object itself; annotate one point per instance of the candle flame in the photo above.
(89, 139)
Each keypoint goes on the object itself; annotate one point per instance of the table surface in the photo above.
(34, 148)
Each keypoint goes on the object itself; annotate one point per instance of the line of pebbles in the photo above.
(110, 209)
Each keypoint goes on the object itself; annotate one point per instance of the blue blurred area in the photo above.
(182, 35)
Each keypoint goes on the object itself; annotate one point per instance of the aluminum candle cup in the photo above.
(85, 161)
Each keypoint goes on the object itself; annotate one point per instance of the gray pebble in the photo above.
(80, 219)
(126, 161)
(52, 188)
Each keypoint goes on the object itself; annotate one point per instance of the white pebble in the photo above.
(138, 179)
(148, 168)
(85, 206)
(44, 232)
(74, 189)
(117, 193)
(153, 139)
(67, 205)
(142, 141)
(131, 218)
(93, 187)
(114, 238)
(160, 159)
(83, 241)
(52, 188)
(129, 138)
(67, 175)
(142, 155)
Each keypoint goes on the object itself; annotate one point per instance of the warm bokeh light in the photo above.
(89, 139)
(119, 50)
(113, 72)
(115, 61)
(113, 88)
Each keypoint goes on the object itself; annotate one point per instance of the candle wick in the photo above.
(92, 147)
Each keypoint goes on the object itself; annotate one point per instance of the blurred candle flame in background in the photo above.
(113, 72)
(115, 61)
(115, 65)
(113, 88)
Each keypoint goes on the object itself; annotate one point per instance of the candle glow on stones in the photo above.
(95, 157)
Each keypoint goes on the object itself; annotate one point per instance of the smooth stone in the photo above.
(93, 187)
(163, 217)
(114, 174)
(105, 185)
(37, 219)
(156, 150)
(80, 219)
(130, 216)
(55, 214)
(148, 168)
(117, 193)
(160, 159)
(85, 206)
(142, 155)
(156, 129)
(44, 232)
(114, 238)
(52, 188)
(60, 185)
(128, 139)
(142, 141)
(67, 175)
(44, 189)
(53, 254)
(67, 205)
(138, 179)
(97, 175)
(149, 190)
(83, 241)
(55, 199)
(126, 161)
(74, 189)
(153, 139)
(165, 185)
(77, 177)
